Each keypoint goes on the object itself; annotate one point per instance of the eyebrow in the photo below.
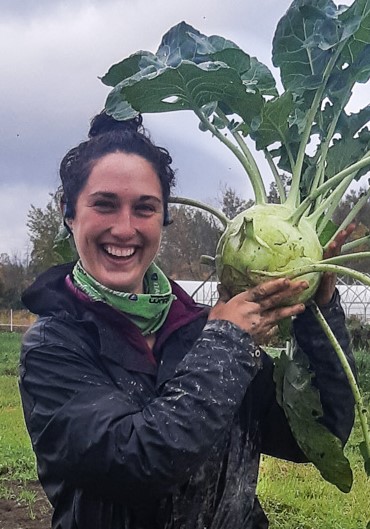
(150, 197)
(104, 194)
(114, 196)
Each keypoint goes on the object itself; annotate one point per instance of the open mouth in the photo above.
(119, 253)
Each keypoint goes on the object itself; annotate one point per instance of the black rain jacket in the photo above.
(126, 442)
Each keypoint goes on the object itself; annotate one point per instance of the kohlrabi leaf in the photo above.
(317, 47)
(274, 125)
(328, 232)
(300, 400)
(188, 71)
(346, 151)
(365, 455)
(301, 43)
(128, 67)
(357, 22)
(350, 124)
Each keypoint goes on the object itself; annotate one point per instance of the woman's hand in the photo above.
(326, 288)
(259, 309)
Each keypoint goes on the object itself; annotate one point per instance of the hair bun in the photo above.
(103, 123)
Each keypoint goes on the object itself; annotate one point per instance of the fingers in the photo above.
(259, 309)
(274, 293)
(265, 290)
(335, 246)
(327, 285)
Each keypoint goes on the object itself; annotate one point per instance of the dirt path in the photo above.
(26, 507)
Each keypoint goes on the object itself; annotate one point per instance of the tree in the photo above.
(347, 204)
(14, 278)
(231, 204)
(44, 225)
(274, 196)
(191, 235)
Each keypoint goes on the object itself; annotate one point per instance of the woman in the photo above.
(144, 410)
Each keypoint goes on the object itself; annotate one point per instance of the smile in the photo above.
(116, 251)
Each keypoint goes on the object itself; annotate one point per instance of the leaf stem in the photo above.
(324, 148)
(351, 379)
(322, 266)
(324, 211)
(350, 171)
(258, 181)
(349, 246)
(339, 259)
(254, 177)
(277, 177)
(293, 196)
(196, 204)
(351, 215)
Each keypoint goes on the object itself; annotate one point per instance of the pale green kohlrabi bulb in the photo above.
(262, 238)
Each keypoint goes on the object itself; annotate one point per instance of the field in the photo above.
(294, 496)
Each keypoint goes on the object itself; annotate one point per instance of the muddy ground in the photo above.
(26, 507)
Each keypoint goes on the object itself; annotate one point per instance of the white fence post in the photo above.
(11, 320)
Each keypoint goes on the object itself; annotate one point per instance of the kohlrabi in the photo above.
(306, 132)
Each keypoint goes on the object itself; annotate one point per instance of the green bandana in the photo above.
(147, 311)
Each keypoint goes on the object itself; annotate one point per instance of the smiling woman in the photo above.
(118, 222)
(145, 410)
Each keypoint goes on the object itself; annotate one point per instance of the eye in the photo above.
(104, 205)
(145, 209)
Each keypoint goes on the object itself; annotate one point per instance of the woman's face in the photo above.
(118, 221)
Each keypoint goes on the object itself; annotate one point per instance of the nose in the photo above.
(123, 224)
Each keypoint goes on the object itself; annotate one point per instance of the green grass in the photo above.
(16, 456)
(296, 497)
(17, 461)
(10, 343)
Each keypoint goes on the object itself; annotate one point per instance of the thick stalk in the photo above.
(205, 207)
(339, 259)
(361, 409)
(324, 212)
(329, 184)
(318, 267)
(324, 148)
(243, 146)
(351, 215)
(247, 153)
(322, 222)
(262, 198)
(255, 179)
(349, 246)
(293, 196)
(275, 172)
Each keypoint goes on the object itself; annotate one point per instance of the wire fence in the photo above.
(355, 301)
(355, 297)
(15, 320)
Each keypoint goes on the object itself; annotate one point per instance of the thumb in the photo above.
(223, 294)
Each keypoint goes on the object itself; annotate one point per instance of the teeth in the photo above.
(119, 252)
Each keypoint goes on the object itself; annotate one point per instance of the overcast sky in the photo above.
(52, 53)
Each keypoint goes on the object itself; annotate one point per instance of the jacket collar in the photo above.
(49, 295)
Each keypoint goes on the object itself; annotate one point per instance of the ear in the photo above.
(69, 224)
(67, 220)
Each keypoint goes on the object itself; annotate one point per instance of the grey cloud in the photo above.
(55, 51)
(22, 10)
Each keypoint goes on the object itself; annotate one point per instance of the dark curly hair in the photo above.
(106, 136)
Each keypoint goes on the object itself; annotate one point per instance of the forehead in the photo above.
(122, 173)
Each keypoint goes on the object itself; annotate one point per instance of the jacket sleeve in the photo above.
(335, 394)
(88, 432)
